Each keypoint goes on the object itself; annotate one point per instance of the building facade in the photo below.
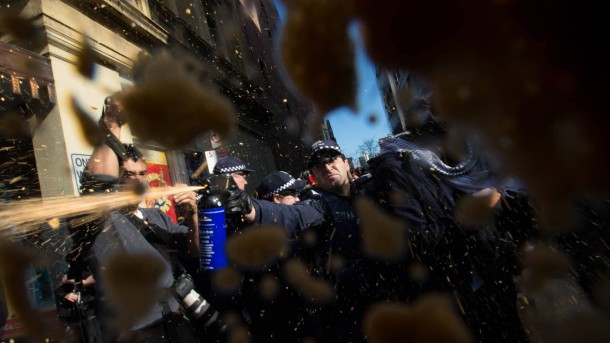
(232, 39)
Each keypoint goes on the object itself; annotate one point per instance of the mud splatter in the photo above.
(384, 237)
(132, 286)
(312, 289)
(431, 318)
(257, 247)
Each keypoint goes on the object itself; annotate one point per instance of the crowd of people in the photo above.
(476, 266)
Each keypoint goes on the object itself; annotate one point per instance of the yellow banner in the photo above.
(154, 156)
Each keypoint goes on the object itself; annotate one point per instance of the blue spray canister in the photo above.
(212, 224)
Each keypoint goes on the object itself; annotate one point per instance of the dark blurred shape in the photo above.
(14, 125)
(319, 58)
(17, 26)
(585, 328)
(432, 318)
(312, 289)
(14, 260)
(93, 133)
(525, 75)
(258, 247)
(86, 60)
(383, 236)
(158, 95)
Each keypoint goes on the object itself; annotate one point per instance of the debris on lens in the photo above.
(431, 318)
(312, 289)
(320, 58)
(554, 304)
(584, 328)
(542, 263)
(601, 294)
(15, 259)
(93, 133)
(17, 26)
(490, 72)
(397, 198)
(227, 280)
(383, 236)
(336, 263)
(159, 96)
(418, 272)
(269, 287)
(13, 125)
(257, 247)
(238, 334)
(309, 237)
(54, 223)
(86, 60)
(132, 284)
(475, 211)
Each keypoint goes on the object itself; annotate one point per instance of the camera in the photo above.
(205, 319)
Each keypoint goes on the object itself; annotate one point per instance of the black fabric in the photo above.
(79, 317)
(115, 144)
(96, 241)
(158, 238)
(476, 265)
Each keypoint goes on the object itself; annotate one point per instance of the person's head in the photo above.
(134, 166)
(234, 167)
(281, 188)
(329, 167)
(358, 172)
(113, 108)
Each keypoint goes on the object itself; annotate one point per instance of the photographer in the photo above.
(76, 303)
(141, 230)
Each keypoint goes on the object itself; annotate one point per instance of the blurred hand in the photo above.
(187, 200)
(71, 297)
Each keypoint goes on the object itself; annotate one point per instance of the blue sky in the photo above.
(352, 128)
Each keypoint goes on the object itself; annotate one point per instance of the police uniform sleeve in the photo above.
(293, 218)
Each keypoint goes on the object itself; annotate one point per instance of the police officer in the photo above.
(281, 188)
(236, 168)
(330, 218)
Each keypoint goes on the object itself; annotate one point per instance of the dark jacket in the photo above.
(335, 257)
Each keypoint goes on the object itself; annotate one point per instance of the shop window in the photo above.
(158, 175)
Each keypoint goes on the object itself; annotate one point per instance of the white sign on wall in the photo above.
(79, 163)
(211, 158)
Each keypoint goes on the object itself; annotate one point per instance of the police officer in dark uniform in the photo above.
(329, 216)
(234, 167)
(475, 264)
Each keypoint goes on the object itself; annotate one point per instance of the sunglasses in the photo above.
(129, 173)
(321, 162)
